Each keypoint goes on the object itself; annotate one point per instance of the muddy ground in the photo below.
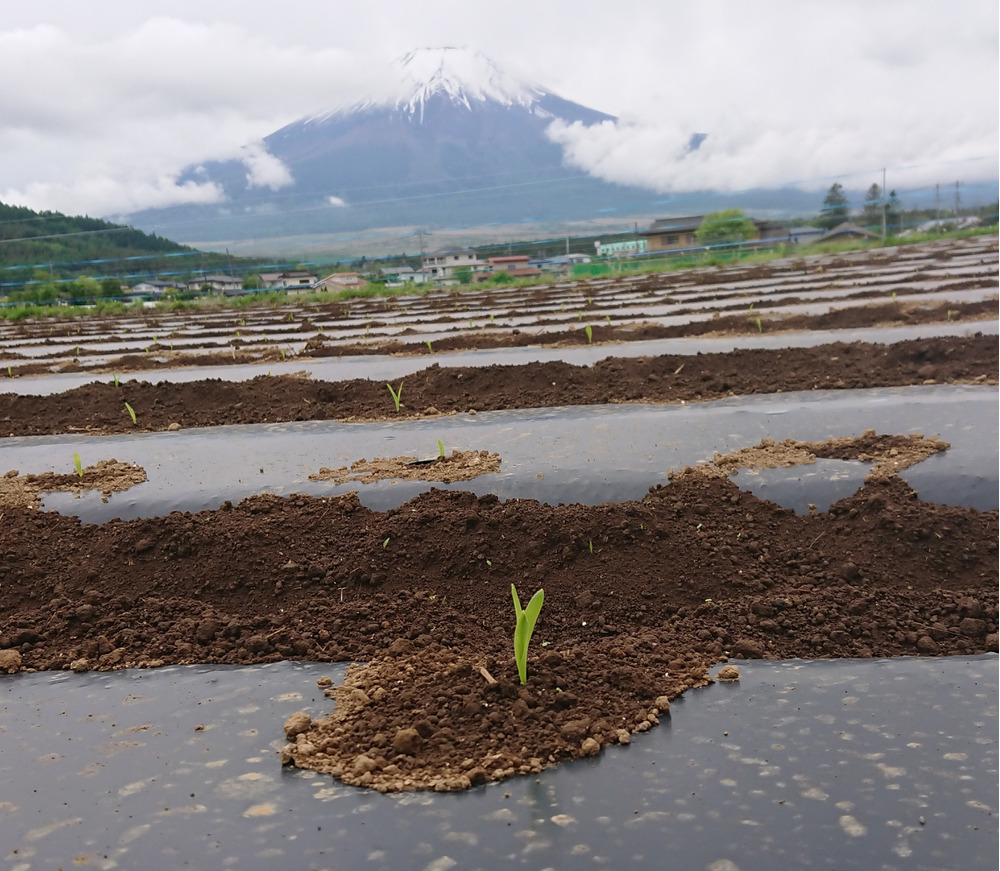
(641, 598)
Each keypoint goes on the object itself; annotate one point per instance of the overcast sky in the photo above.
(103, 102)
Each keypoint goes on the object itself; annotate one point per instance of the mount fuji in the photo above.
(454, 141)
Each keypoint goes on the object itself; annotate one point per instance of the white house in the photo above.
(152, 287)
(441, 265)
(216, 283)
(296, 278)
(620, 249)
(340, 281)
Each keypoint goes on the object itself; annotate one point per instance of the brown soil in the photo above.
(100, 407)
(457, 466)
(884, 287)
(641, 598)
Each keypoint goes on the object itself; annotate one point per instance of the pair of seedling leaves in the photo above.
(526, 619)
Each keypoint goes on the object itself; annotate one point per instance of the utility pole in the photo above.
(883, 203)
(958, 198)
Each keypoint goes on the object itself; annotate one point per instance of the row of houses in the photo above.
(449, 266)
(293, 281)
(663, 235)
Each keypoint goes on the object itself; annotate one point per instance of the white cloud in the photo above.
(264, 169)
(103, 195)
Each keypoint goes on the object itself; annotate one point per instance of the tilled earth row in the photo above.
(100, 407)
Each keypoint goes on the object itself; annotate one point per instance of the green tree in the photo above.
(893, 212)
(873, 206)
(725, 227)
(836, 207)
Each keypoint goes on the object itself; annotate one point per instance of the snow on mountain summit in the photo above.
(464, 76)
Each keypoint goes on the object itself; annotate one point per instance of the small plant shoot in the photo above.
(77, 464)
(760, 326)
(441, 449)
(131, 413)
(590, 334)
(526, 619)
(396, 394)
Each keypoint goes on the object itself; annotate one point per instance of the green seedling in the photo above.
(429, 347)
(116, 380)
(491, 318)
(526, 619)
(607, 320)
(489, 563)
(282, 353)
(77, 464)
(591, 544)
(579, 316)
(10, 371)
(396, 394)
(385, 543)
(441, 449)
(760, 326)
(894, 296)
(131, 412)
(950, 313)
(590, 334)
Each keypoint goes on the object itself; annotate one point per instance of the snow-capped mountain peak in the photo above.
(463, 76)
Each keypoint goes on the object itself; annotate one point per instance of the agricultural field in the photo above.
(758, 465)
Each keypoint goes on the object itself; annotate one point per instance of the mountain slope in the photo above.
(454, 142)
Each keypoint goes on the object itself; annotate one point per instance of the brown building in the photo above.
(672, 234)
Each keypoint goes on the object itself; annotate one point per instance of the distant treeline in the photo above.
(52, 247)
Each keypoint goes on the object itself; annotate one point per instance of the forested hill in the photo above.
(61, 243)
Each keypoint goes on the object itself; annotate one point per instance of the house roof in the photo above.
(673, 225)
(511, 258)
(217, 278)
(847, 229)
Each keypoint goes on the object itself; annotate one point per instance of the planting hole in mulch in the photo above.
(107, 476)
(456, 466)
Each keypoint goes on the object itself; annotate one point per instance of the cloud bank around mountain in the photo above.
(112, 101)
